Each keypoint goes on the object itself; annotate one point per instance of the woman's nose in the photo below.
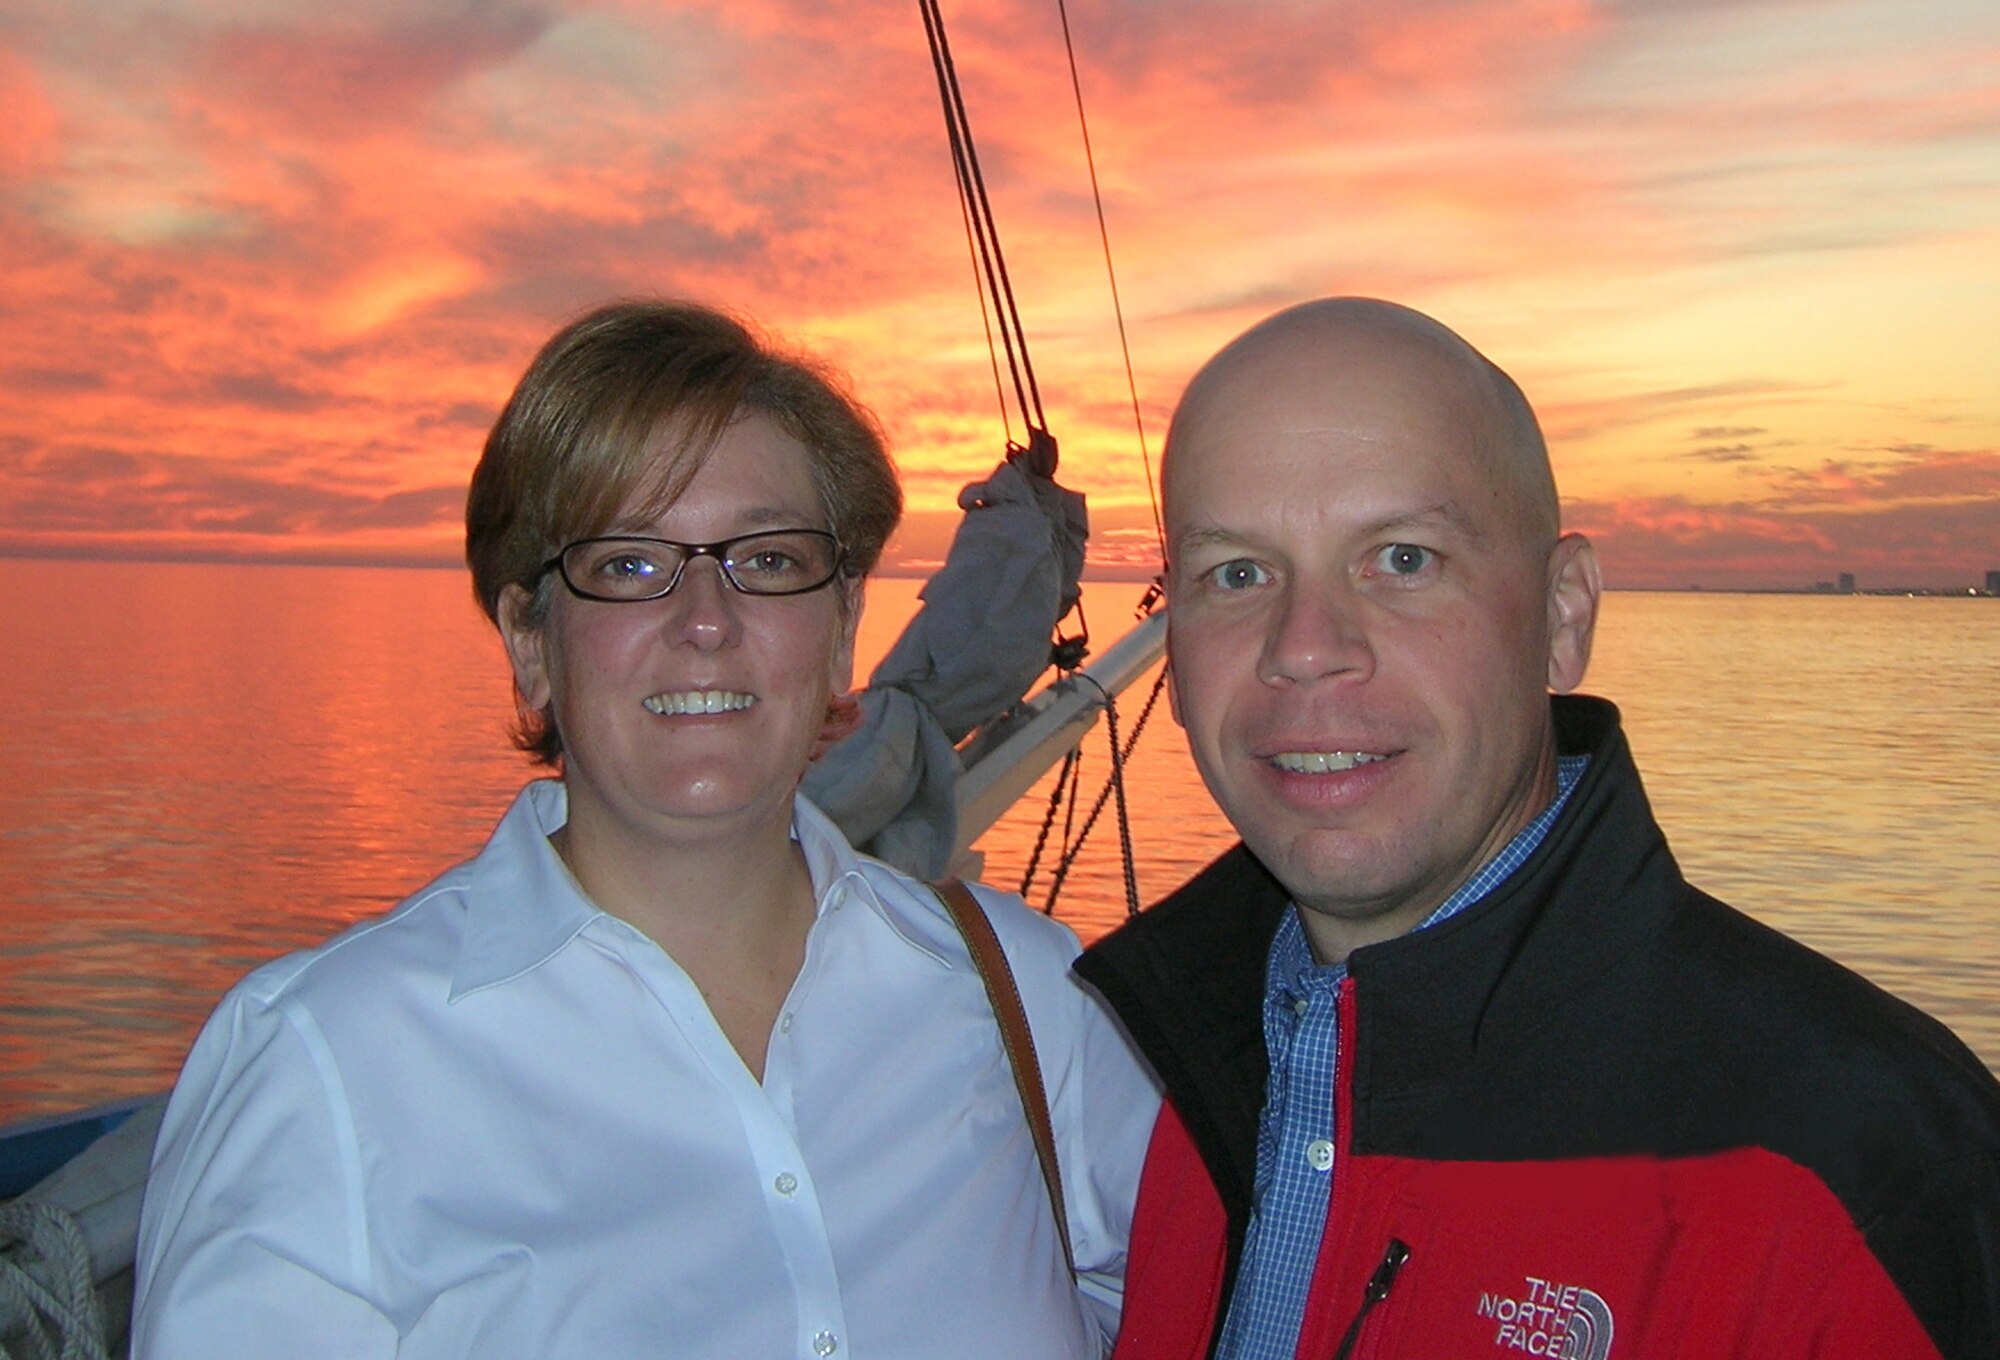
(703, 606)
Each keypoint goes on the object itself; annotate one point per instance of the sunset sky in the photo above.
(268, 269)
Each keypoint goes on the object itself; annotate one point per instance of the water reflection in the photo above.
(207, 766)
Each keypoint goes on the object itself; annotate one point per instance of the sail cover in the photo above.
(978, 641)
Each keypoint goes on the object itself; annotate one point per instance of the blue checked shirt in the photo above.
(1295, 1137)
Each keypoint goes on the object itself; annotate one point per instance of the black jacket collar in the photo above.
(1187, 975)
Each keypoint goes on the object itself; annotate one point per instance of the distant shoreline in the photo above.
(913, 571)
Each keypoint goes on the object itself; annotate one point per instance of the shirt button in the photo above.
(785, 1023)
(1300, 1006)
(826, 1343)
(1319, 1152)
(786, 1183)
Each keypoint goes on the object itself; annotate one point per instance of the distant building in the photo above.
(1847, 583)
(1993, 583)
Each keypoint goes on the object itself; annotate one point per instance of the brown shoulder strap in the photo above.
(1005, 997)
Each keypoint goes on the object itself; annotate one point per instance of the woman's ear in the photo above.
(843, 720)
(840, 677)
(526, 646)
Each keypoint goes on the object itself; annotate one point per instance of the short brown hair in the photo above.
(580, 438)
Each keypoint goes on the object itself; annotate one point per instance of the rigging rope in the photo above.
(1111, 273)
(1124, 814)
(998, 310)
(984, 231)
(986, 321)
(1071, 759)
(1115, 784)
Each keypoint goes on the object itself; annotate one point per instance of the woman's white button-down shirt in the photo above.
(499, 1122)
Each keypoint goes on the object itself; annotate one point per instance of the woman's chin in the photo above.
(728, 805)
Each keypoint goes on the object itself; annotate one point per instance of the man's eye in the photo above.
(1238, 574)
(1404, 559)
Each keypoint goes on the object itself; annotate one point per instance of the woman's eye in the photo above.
(769, 562)
(1404, 559)
(628, 567)
(1239, 574)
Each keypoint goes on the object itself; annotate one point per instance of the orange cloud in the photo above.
(29, 123)
(268, 272)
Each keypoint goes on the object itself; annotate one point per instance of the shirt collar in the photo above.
(830, 860)
(524, 905)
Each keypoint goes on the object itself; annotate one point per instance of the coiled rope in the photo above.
(49, 1313)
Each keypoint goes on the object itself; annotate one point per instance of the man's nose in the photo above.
(1318, 631)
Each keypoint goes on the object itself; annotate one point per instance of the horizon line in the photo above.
(1111, 573)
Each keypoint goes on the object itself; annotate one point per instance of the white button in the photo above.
(786, 1183)
(1320, 1153)
(785, 1023)
(1300, 1005)
(826, 1343)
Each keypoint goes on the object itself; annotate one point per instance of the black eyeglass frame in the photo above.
(719, 550)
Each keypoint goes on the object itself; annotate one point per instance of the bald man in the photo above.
(1457, 1063)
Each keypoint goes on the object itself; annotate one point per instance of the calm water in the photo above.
(205, 766)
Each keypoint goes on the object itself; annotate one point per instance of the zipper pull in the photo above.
(1385, 1274)
(1377, 1289)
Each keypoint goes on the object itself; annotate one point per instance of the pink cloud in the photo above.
(325, 81)
(1923, 519)
(272, 273)
(1895, 476)
(1568, 420)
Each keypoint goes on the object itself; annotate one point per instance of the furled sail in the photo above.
(979, 640)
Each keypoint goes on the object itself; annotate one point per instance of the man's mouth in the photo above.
(1324, 762)
(683, 702)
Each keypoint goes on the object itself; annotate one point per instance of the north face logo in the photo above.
(1560, 1321)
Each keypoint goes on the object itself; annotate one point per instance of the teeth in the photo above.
(1323, 762)
(699, 701)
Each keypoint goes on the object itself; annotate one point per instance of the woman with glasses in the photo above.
(667, 1069)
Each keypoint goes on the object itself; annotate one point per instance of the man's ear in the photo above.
(1574, 588)
(526, 648)
(1164, 580)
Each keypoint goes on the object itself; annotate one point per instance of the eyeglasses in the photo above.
(628, 570)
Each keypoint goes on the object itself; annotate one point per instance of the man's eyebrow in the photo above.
(1446, 512)
(1206, 536)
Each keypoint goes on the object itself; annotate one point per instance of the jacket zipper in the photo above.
(1376, 1290)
